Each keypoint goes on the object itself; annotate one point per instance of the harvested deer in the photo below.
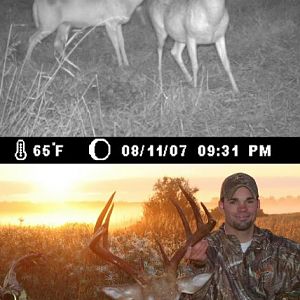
(61, 15)
(167, 286)
(189, 23)
(12, 289)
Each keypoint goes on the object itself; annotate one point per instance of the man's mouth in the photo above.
(243, 217)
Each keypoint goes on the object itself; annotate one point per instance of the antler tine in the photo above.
(202, 230)
(24, 259)
(205, 229)
(194, 206)
(208, 214)
(102, 250)
(103, 212)
(28, 257)
(163, 253)
(11, 283)
(105, 226)
(185, 223)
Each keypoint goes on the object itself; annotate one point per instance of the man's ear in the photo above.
(221, 206)
(258, 203)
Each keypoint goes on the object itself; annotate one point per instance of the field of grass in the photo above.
(48, 99)
(71, 271)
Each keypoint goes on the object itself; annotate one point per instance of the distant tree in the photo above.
(216, 214)
(160, 215)
(260, 213)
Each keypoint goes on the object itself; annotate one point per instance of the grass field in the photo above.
(102, 99)
(71, 271)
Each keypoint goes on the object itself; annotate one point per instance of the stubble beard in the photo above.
(243, 226)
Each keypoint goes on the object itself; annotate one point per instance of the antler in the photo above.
(11, 286)
(191, 238)
(99, 245)
(166, 286)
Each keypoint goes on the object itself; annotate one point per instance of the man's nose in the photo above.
(242, 206)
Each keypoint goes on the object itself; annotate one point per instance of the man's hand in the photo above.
(197, 252)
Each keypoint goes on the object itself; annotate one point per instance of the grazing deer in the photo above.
(61, 15)
(189, 23)
(167, 286)
(12, 289)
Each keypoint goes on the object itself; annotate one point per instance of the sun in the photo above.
(55, 182)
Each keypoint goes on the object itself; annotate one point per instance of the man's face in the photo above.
(240, 211)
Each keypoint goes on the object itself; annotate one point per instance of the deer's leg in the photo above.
(112, 32)
(192, 50)
(33, 40)
(161, 42)
(221, 48)
(141, 13)
(156, 14)
(61, 38)
(177, 54)
(121, 44)
(161, 37)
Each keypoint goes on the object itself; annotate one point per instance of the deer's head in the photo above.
(166, 286)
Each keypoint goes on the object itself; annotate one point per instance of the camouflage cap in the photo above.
(235, 181)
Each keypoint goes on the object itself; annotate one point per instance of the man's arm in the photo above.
(288, 272)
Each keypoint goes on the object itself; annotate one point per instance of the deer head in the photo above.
(166, 286)
(12, 289)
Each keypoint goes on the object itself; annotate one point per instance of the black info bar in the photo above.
(150, 150)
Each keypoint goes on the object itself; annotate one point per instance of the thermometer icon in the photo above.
(20, 153)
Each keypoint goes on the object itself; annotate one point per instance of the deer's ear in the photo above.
(123, 292)
(191, 284)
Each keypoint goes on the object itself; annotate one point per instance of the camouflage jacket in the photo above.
(269, 268)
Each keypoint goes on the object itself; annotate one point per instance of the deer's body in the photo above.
(189, 23)
(61, 15)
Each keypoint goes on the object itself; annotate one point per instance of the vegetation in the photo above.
(71, 271)
(159, 213)
(54, 99)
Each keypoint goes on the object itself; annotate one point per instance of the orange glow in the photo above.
(55, 184)
(55, 214)
(61, 185)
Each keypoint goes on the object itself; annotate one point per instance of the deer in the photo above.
(62, 15)
(189, 23)
(12, 289)
(151, 287)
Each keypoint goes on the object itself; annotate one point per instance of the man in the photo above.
(247, 262)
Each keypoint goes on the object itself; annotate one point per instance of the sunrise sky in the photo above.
(61, 183)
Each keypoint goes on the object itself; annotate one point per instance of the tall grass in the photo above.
(72, 272)
(55, 99)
